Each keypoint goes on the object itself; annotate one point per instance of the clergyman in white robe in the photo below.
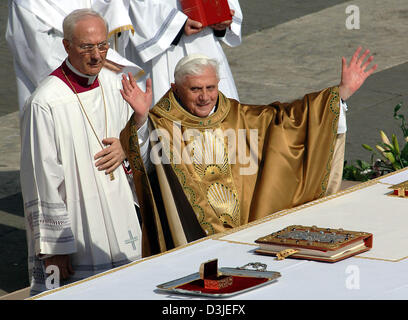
(34, 36)
(157, 23)
(71, 207)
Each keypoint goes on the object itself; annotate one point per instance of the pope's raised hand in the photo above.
(354, 74)
(139, 100)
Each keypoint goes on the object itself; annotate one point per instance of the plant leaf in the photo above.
(404, 153)
(365, 165)
(367, 147)
(395, 143)
(396, 108)
(389, 156)
(384, 137)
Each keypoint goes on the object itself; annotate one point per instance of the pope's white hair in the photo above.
(70, 21)
(194, 64)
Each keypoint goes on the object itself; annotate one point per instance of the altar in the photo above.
(380, 273)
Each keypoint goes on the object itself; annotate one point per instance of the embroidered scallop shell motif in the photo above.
(165, 104)
(209, 154)
(225, 203)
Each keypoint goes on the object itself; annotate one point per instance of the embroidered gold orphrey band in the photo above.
(111, 175)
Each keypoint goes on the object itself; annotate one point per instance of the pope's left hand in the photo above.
(110, 157)
(354, 74)
(139, 101)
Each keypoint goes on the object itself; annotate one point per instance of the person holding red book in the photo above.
(164, 34)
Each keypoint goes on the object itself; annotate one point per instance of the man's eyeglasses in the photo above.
(89, 47)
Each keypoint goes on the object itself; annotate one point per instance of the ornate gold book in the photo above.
(313, 243)
(400, 190)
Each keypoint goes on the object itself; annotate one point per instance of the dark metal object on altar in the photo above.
(215, 282)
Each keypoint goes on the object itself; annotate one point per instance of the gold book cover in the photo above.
(400, 190)
(313, 243)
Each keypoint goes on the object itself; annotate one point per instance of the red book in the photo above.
(208, 12)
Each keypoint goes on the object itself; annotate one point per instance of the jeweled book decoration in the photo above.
(400, 190)
(313, 243)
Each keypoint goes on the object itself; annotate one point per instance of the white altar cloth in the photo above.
(380, 273)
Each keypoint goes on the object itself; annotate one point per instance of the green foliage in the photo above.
(362, 171)
(401, 117)
(386, 157)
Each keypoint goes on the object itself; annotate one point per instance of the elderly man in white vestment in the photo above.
(164, 34)
(80, 219)
(34, 35)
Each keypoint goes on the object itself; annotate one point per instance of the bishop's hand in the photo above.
(139, 101)
(192, 27)
(223, 25)
(110, 157)
(354, 74)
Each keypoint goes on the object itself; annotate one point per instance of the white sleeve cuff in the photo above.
(342, 126)
(144, 145)
(143, 135)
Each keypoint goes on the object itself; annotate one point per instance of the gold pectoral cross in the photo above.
(112, 177)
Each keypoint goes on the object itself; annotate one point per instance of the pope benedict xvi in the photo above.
(216, 163)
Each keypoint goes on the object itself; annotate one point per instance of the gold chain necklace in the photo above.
(111, 175)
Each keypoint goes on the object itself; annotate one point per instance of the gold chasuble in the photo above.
(239, 164)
